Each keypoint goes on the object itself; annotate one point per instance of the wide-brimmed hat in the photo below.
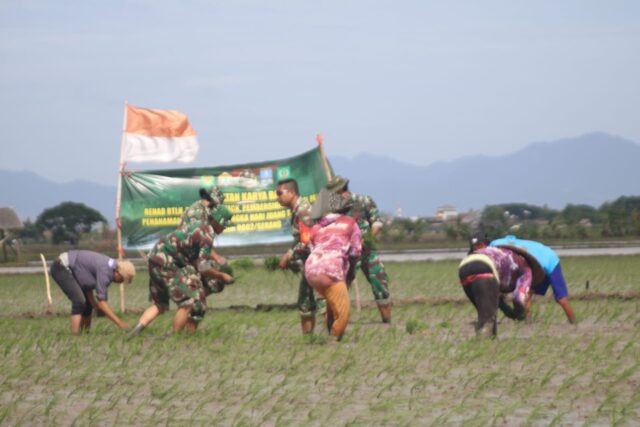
(337, 184)
(127, 270)
(326, 203)
(536, 269)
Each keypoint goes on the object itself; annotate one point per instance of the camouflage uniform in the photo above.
(298, 254)
(364, 210)
(195, 214)
(172, 275)
(199, 212)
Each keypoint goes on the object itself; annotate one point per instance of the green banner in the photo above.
(152, 201)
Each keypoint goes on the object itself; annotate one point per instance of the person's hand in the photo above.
(123, 325)
(219, 259)
(226, 278)
(284, 261)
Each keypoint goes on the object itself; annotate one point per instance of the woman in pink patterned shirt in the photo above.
(335, 242)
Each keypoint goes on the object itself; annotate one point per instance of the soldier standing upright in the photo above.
(294, 259)
(364, 210)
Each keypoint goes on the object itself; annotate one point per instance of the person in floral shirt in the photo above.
(336, 242)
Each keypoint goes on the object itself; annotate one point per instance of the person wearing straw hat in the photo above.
(80, 274)
(365, 212)
(336, 243)
(294, 259)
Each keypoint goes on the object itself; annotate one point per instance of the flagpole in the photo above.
(118, 197)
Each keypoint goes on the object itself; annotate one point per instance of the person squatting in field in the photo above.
(294, 259)
(176, 263)
(336, 242)
(487, 273)
(79, 273)
(366, 214)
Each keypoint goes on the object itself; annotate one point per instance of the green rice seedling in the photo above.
(243, 263)
(271, 263)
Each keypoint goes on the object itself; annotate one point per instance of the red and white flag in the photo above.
(158, 136)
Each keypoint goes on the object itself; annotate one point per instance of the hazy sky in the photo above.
(419, 81)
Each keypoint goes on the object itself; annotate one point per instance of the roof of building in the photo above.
(9, 219)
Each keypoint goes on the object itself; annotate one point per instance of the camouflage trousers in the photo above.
(373, 269)
(180, 285)
(307, 305)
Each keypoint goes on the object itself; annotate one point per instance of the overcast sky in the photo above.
(418, 81)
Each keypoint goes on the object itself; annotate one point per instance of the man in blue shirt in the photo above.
(80, 273)
(548, 260)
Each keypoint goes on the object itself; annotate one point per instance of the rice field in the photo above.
(251, 366)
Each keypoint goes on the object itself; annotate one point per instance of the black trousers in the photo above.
(484, 293)
(64, 278)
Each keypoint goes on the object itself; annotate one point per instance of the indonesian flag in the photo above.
(158, 136)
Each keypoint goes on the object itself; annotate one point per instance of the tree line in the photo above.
(617, 219)
(68, 222)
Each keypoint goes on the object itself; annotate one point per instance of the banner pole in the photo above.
(118, 197)
(325, 163)
(327, 170)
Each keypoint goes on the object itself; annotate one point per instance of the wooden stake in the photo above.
(46, 279)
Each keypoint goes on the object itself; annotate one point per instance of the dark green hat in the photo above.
(337, 184)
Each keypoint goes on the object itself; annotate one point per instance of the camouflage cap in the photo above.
(213, 195)
(337, 184)
(222, 216)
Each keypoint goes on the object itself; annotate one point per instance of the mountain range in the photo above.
(590, 169)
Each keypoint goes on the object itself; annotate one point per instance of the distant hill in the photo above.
(30, 194)
(589, 169)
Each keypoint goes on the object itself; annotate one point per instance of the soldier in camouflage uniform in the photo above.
(177, 263)
(201, 211)
(219, 273)
(364, 210)
(294, 259)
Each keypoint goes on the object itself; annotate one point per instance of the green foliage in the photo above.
(573, 214)
(243, 263)
(622, 217)
(68, 221)
(271, 263)
(227, 269)
(29, 232)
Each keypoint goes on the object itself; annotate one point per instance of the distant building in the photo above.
(446, 213)
(471, 218)
(9, 224)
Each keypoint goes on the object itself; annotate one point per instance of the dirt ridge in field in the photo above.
(435, 301)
